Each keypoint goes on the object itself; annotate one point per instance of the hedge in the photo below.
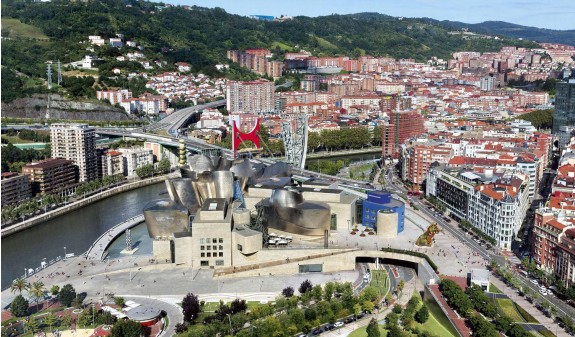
(409, 252)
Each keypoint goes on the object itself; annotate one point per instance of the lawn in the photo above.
(18, 29)
(507, 307)
(210, 306)
(442, 320)
(281, 45)
(362, 333)
(380, 280)
(526, 316)
(494, 289)
(16, 140)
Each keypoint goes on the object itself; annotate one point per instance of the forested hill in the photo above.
(57, 30)
(511, 30)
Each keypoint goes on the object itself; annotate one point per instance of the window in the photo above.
(208, 240)
(204, 263)
(203, 255)
(210, 254)
(219, 262)
(202, 241)
(221, 240)
(240, 248)
(203, 247)
(221, 247)
(215, 247)
(221, 254)
(214, 240)
(208, 247)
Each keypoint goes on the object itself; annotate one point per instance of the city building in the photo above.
(252, 97)
(76, 142)
(15, 188)
(565, 267)
(135, 158)
(113, 96)
(480, 277)
(546, 232)
(564, 135)
(402, 125)
(112, 163)
(52, 176)
(415, 161)
(376, 206)
(564, 105)
(494, 201)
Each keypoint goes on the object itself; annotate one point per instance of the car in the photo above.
(534, 281)
(317, 331)
(328, 327)
(338, 324)
(542, 292)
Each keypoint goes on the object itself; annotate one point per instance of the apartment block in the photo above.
(114, 96)
(417, 159)
(495, 202)
(250, 97)
(15, 188)
(112, 163)
(52, 176)
(545, 239)
(76, 142)
(135, 158)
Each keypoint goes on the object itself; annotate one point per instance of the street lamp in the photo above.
(349, 225)
(64, 252)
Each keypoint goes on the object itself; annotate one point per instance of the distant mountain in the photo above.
(501, 28)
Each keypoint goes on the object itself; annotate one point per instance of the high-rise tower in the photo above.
(564, 105)
(76, 142)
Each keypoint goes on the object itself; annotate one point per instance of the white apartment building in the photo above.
(112, 163)
(135, 158)
(114, 96)
(76, 142)
(494, 202)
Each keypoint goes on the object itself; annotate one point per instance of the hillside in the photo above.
(511, 30)
(201, 37)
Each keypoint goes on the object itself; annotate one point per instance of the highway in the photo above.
(562, 307)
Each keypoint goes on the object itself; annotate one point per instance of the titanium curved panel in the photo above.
(288, 212)
(185, 192)
(164, 218)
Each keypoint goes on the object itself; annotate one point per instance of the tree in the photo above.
(400, 286)
(238, 306)
(66, 295)
(305, 286)
(18, 285)
(50, 320)
(356, 309)
(181, 327)
(37, 291)
(119, 301)
(422, 314)
(55, 290)
(328, 291)
(32, 325)
(287, 292)
(191, 307)
(164, 166)
(373, 329)
(19, 306)
(317, 292)
(127, 328)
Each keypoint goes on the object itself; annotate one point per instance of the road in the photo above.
(562, 307)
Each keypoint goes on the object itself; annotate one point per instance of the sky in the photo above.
(551, 14)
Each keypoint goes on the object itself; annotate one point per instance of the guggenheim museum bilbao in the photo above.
(234, 215)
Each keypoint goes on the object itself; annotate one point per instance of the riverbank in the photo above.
(79, 204)
(330, 154)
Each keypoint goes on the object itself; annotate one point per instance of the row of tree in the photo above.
(288, 315)
(149, 170)
(474, 299)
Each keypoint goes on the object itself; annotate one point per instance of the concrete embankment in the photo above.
(78, 204)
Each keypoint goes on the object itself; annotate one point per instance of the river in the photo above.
(76, 231)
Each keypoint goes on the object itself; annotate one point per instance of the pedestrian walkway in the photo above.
(530, 308)
(98, 248)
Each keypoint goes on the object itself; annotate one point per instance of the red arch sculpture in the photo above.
(239, 137)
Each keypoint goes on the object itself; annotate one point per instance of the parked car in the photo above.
(338, 324)
(534, 281)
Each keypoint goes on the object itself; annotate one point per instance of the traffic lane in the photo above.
(563, 307)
